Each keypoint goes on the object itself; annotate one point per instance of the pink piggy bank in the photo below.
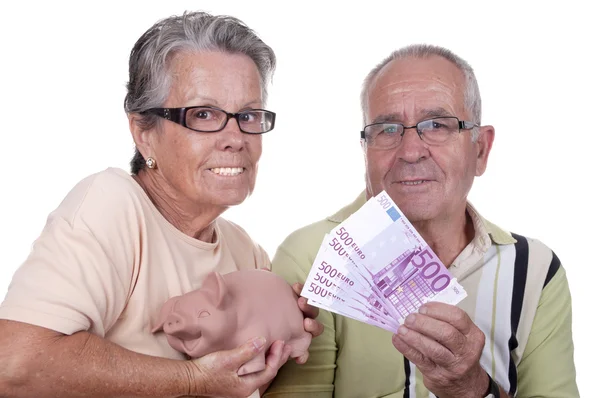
(228, 310)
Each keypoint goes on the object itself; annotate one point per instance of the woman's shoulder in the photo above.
(104, 195)
(231, 231)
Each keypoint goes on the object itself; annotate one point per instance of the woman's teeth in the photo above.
(228, 171)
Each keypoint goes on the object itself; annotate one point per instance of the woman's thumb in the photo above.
(247, 351)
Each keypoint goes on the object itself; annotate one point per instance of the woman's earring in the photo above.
(151, 163)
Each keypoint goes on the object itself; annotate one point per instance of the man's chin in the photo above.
(416, 210)
(416, 206)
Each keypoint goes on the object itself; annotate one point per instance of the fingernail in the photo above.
(410, 319)
(402, 330)
(259, 342)
(423, 310)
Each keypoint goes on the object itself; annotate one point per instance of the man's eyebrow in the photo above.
(423, 115)
(434, 112)
(390, 117)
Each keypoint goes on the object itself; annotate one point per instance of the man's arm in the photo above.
(547, 369)
(39, 362)
(315, 378)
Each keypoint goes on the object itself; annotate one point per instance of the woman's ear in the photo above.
(141, 137)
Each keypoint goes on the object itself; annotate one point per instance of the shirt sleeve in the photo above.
(78, 274)
(547, 368)
(262, 258)
(316, 377)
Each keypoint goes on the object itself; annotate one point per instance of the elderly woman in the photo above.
(78, 315)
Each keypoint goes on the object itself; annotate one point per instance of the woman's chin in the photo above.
(229, 198)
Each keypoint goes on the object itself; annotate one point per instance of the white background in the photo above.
(63, 71)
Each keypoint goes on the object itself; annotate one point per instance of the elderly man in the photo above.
(423, 144)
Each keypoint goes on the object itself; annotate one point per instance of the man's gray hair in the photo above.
(149, 77)
(472, 96)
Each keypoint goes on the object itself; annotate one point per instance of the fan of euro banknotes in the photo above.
(375, 268)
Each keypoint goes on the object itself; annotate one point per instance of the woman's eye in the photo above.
(247, 117)
(202, 115)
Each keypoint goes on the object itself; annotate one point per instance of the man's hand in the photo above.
(311, 325)
(443, 342)
(216, 374)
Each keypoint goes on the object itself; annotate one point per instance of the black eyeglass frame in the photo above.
(177, 115)
(462, 125)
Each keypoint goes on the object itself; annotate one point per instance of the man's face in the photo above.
(427, 182)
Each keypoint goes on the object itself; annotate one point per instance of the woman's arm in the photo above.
(39, 362)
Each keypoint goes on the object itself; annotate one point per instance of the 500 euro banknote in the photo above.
(375, 267)
(331, 287)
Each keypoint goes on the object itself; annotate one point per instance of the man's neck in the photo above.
(448, 236)
(191, 219)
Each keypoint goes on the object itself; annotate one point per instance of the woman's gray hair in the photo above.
(472, 96)
(149, 78)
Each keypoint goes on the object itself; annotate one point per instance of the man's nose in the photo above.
(412, 148)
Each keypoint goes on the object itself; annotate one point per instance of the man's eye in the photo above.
(390, 129)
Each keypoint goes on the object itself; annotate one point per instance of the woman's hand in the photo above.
(215, 374)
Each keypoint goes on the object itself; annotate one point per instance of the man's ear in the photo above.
(363, 146)
(484, 143)
(141, 137)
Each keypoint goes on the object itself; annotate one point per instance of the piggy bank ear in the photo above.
(166, 309)
(216, 289)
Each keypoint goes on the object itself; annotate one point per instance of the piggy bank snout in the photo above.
(179, 326)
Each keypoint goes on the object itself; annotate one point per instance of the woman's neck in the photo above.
(193, 219)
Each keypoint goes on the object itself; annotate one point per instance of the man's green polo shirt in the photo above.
(518, 296)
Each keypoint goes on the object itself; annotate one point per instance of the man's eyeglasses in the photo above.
(436, 131)
(208, 119)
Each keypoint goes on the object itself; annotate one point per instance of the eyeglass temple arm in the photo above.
(162, 112)
(173, 114)
(463, 125)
